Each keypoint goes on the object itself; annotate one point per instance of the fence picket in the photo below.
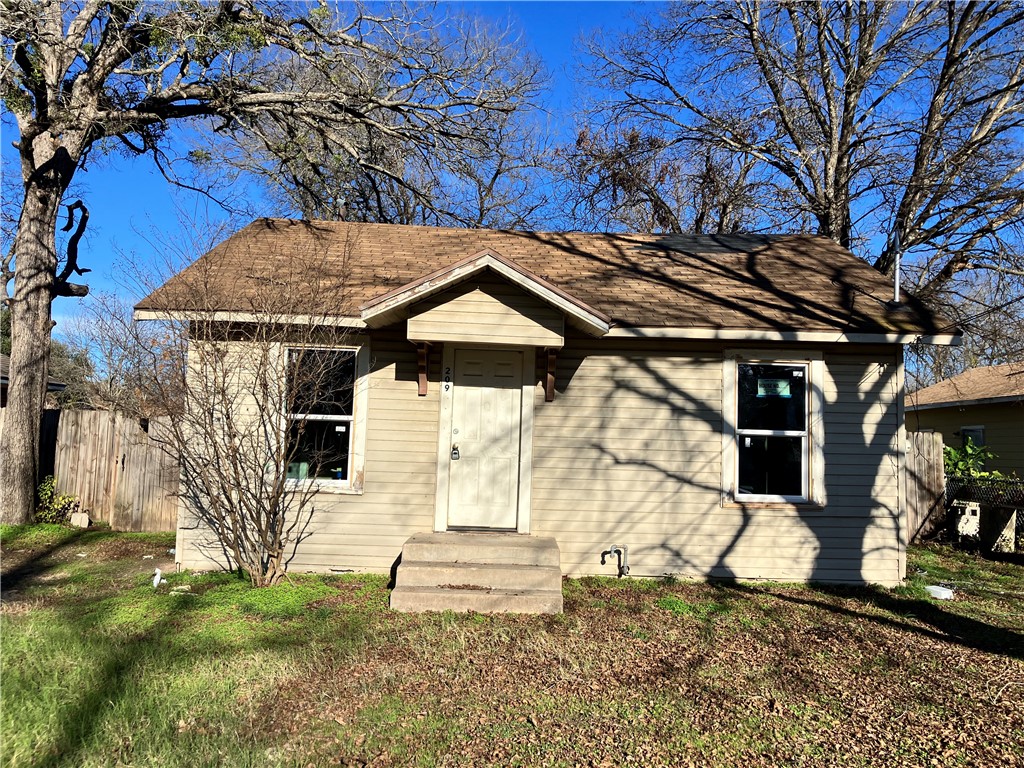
(120, 474)
(925, 484)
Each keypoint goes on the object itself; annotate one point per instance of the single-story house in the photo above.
(707, 406)
(52, 384)
(984, 404)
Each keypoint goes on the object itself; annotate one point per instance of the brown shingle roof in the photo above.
(993, 382)
(774, 283)
(52, 384)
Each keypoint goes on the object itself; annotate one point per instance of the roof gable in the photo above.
(393, 305)
(986, 384)
(486, 310)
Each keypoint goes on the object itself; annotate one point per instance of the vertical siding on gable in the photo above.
(629, 453)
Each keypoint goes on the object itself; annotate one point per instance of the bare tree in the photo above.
(896, 126)
(123, 354)
(482, 175)
(81, 76)
(991, 313)
(258, 409)
(637, 181)
(496, 180)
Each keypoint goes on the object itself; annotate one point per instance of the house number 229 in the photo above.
(447, 379)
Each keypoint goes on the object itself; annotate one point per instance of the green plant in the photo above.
(968, 461)
(53, 507)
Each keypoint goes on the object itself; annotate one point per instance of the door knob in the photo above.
(455, 452)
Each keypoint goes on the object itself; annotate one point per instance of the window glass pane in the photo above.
(975, 434)
(772, 397)
(318, 449)
(771, 465)
(321, 381)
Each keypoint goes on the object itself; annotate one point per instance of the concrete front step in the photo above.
(489, 575)
(417, 599)
(483, 572)
(482, 548)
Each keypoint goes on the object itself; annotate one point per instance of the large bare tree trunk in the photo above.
(335, 81)
(36, 256)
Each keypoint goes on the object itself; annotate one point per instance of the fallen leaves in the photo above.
(777, 676)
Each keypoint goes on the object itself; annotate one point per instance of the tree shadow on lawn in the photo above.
(117, 640)
(945, 625)
(36, 564)
(119, 684)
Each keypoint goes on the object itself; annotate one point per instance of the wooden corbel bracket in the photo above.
(549, 376)
(422, 364)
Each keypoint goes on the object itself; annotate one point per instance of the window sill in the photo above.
(775, 506)
(327, 487)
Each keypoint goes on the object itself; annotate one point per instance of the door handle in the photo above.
(455, 452)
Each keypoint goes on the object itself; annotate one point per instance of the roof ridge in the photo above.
(552, 232)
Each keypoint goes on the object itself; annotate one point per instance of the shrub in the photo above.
(54, 507)
(969, 461)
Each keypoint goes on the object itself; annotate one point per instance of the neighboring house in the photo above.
(985, 404)
(722, 406)
(52, 385)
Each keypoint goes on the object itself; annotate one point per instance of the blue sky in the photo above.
(131, 205)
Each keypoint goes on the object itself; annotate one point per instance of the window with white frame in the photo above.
(772, 449)
(320, 411)
(976, 434)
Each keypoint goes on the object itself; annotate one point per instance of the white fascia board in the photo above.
(247, 317)
(813, 337)
(589, 321)
(911, 408)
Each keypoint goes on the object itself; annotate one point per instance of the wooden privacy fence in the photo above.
(925, 484)
(117, 470)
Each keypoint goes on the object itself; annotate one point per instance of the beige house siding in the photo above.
(486, 310)
(365, 532)
(630, 453)
(1003, 423)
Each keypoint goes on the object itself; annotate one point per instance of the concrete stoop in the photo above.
(482, 572)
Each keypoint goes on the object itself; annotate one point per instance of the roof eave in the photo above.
(754, 334)
(1010, 399)
(229, 316)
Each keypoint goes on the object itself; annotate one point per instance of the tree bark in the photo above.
(36, 259)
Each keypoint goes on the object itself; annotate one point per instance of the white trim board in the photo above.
(751, 334)
(221, 316)
(686, 334)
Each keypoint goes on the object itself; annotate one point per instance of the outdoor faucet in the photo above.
(621, 553)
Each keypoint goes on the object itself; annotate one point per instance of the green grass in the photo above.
(34, 536)
(101, 669)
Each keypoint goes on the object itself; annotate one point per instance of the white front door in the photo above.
(485, 438)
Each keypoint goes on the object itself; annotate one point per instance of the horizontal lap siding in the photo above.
(365, 532)
(862, 464)
(629, 453)
(486, 311)
(1003, 423)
